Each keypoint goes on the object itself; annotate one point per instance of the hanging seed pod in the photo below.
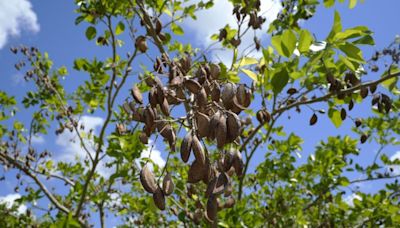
(141, 44)
(221, 132)
(136, 94)
(168, 185)
(363, 138)
(153, 97)
(351, 105)
(176, 81)
(192, 85)
(159, 199)
(165, 107)
(228, 161)
(291, 91)
(314, 119)
(203, 124)
(196, 172)
(343, 114)
(215, 92)
(212, 209)
(236, 107)
(227, 94)
(214, 121)
(372, 88)
(198, 150)
(148, 180)
(160, 94)
(229, 189)
(186, 146)
(364, 92)
(158, 26)
(358, 122)
(215, 71)
(230, 202)
(126, 108)
(149, 117)
(143, 138)
(376, 99)
(210, 173)
(238, 163)
(233, 126)
(220, 184)
(202, 98)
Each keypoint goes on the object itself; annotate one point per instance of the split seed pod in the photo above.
(198, 150)
(221, 132)
(159, 199)
(212, 209)
(203, 124)
(168, 185)
(196, 172)
(148, 180)
(192, 85)
(233, 126)
(136, 94)
(186, 146)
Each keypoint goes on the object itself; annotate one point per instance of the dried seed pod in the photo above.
(236, 107)
(143, 138)
(192, 85)
(176, 81)
(210, 173)
(363, 138)
(233, 126)
(153, 97)
(343, 114)
(351, 105)
(164, 106)
(158, 26)
(229, 189)
(149, 117)
(203, 124)
(215, 92)
(186, 146)
(201, 98)
(214, 121)
(127, 108)
(221, 132)
(314, 119)
(230, 202)
(376, 99)
(141, 44)
(372, 88)
(148, 180)
(364, 92)
(160, 94)
(220, 184)
(198, 150)
(196, 172)
(238, 163)
(212, 209)
(227, 94)
(358, 122)
(168, 185)
(215, 71)
(291, 91)
(159, 199)
(136, 94)
(228, 161)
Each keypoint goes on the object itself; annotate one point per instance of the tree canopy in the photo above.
(219, 123)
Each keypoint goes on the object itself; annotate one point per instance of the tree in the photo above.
(221, 112)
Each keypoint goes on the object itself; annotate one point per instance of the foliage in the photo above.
(196, 105)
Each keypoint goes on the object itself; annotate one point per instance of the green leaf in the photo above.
(247, 61)
(352, 3)
(250, 73)
(329, 3)
(177, 29)
(91, 33)
(120, 28)
(305, 41)
(352, 66)
(334, 115)
(352, 52)
(367, 40)
(279, 80)
(285, 43)
(337, 25)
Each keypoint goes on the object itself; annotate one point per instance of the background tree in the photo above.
(221, 112)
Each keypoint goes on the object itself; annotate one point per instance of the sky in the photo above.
(49, 25)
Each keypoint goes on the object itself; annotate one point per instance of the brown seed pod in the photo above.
(364, 92)
(372, 88)
(233, 126)
(238, 163)
(343, 114)
(351, 105)
(228, 161)
(126, 108)
(363, 138)
(214, 121)
(148, 180)
(149, 117)
(229, 189)
(136, 94)
(192, 85)
(158, 26)
(141, 44)
(164, 106)
(197, 216)
(291, 91)
(221, 132)
(198, 150)
(211, 172)
(160, 94)
(168, 185)
(358, 122)
(186, 146)
(153, 97)
(201, 98)
(314, 119)
(143, 138)
(212, 209)
(220, 184)
(197, 171)
(215, 92)
(159, 199)
(215, 71)
(203, 124)
(176, 81)
(236, 107)
(230, 202)
(227, 94)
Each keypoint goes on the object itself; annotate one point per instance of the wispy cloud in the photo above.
(15, 16)
(153, 153)
(9, 201)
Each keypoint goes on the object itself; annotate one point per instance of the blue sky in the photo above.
(49, 25)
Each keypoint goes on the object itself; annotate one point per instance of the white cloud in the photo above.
(395, 168)
(210, 21)
(154, 154)
(350, 199)
(9, 201)
(37, 139)
(16, 15)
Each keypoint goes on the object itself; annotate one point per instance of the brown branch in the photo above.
(373, 179)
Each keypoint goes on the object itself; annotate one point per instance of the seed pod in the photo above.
(233, 126)
(372, 88)
(221, 184)
(351, 104)
(230, 202)
(159, 199)
(197, 216)
(160, 94)
(168, 185)
(236, 107)
(176, 81)
(203, 124)
(201, 98)
(165, 107)
(214, 121)
(221, 132)
(149, 117)
(215, 71)
(227, 94)
(192, 85)
(314, 119)
(198, 150)
(291, 91)
(364, 92)
(215, 92)
(358, 122)
(363, 138)
(343, 114)
(140, 43)
(229, 189)
(210, 172)
(196, 172)
(376, 99)
(212, 209)
(136, 94)
(158, 26)
(238, 163)
(143, 138)
(148, 180)
(260, 116)
(153, 97)
(186, 146)
(127, 108)
(228, 161)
